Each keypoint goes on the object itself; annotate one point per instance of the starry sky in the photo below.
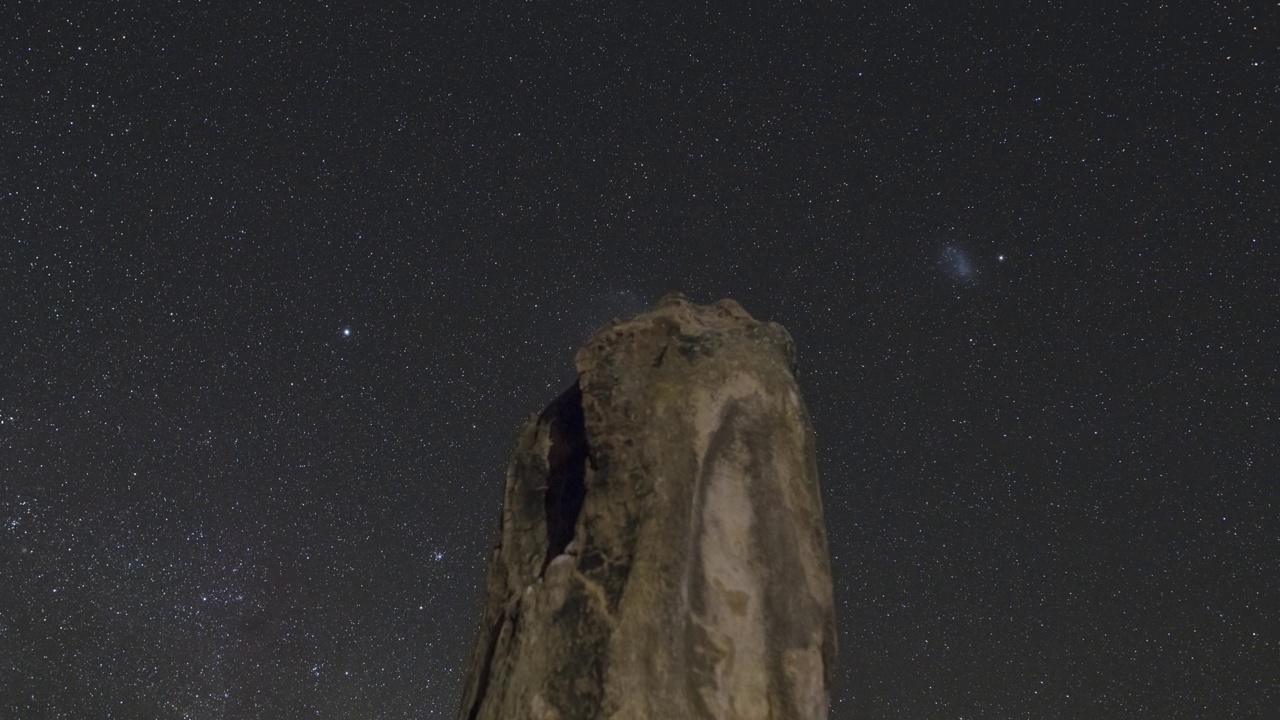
(280, 281)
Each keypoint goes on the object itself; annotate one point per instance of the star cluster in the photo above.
(280, 281)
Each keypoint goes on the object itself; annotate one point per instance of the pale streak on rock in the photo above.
(663, 553)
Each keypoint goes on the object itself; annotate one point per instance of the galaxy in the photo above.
(955, 262)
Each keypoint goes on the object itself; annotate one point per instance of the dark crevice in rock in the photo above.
(657, 363)
(486, 667)
(566, 469)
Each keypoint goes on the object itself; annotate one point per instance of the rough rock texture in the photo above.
(663, 553)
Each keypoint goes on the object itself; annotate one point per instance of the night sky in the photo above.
(280, 281)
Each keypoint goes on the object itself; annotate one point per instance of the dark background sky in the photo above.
(280, 281)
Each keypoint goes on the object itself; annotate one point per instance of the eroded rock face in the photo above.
(663, 552)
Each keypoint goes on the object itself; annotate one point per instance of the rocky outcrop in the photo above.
(663, 552)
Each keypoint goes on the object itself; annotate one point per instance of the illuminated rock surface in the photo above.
(663, 552)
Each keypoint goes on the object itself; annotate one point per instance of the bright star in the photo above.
(346, 332)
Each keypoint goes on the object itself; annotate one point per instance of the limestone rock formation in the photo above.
(663, 553)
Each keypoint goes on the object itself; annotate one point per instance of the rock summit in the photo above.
(662, 551)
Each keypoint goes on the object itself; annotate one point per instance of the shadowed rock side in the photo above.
(663, 553)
